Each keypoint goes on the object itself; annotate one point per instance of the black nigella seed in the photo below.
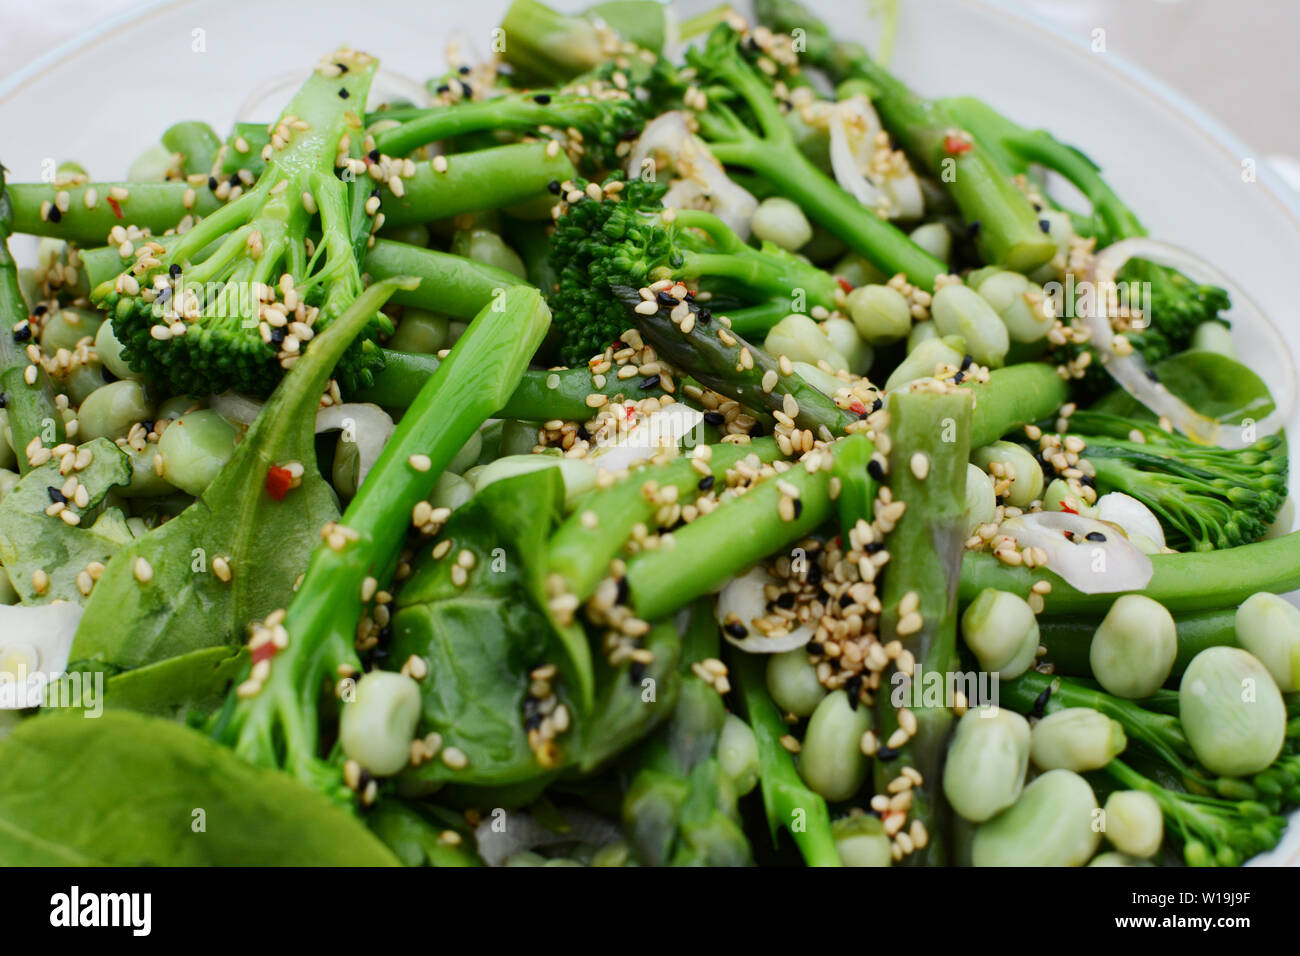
(636, 672)
(973, 229)
(1087, 480)
(542, 99)
(704, 316)
(174, 270)
(786, 600)
(343, 94)
(666, 300)
(41, 309)
(815, 647)
(4, 400)
(757, 430)
(443, 88)
(1040, 702)
(956, 379)
(277, 335)
(706, 482)
(55, 215)
(56, 495)
(622, 590)
(1095, 536)
(554, 187)
(582, 433)
(463, 70)
(466, 89)
(343, 67)
(798, 510)
(846, 599)
(814, 575)
(874, 469)
(886, 753)
(736, 630)
(1151, 374)
(374, 155)
(967, 361)
(649, 382)
(23, 332)
(878, 404)
(874, 547)
(234, 180)
(710, 418)
(212, 182)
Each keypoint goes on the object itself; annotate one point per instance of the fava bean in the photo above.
(109, 350)
(987, 761)
(738, 754)
(1021, 305)
(1134, 823)
(792, 682)
(1051, 824)
(1231, 711)
(831, 761)
(1134, 647)
(800, 339)
(1268, 625)
(1000, 629)
(194, 448)
(861, 841)
(1027, 483)
(110, 411)
(957, 310)
(420, 331)
(376, 729)
(922, 361)
(880, 313)
(1076, 738)
(780, 221)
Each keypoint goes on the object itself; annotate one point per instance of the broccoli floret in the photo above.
(1206, 497)
(626, 239)
(232, 302)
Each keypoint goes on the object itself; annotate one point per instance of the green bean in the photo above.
(109, 412)
(449, 285)
(726, 541)
(1050, 825)
(1027, 483)
(1134, 823)
(792, 682)
(156, 206)
(1015, 396)
(376, 728)
(580, 550)
(1187, 582)
(831, 761)
(780, 221)
(1269, 627)
(861, 840)
(1002, 632)
(1232, 712)
(881, 313)
(987, 761)
(195, 448)
(1076, 738)
(1134, 648)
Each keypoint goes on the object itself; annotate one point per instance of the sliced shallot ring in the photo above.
(371, 427)
(47, 630)
(743, 599)
(1123, 566)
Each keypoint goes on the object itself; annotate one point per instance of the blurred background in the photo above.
(1233, 58)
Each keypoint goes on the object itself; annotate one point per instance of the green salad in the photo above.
(679, 444)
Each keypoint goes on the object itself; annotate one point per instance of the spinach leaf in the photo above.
(265, 541)
(482, 640)
(31, 540)
(180, 688)
(130, 790)
(1213, 384)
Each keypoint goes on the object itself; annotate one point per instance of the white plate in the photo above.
(1181, 171)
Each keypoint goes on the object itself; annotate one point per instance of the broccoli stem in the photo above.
(484, 179)
(1009, 234)
(31, 408)
(196, 143)
(788, 801)
(1069, 639)
(1183, 583)
(717, 546)
(580, 554)
(478, 375)
(449, 284)
(925, 548)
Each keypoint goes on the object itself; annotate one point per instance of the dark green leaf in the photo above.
(130, 790)
(177, 688)
(1213, 384)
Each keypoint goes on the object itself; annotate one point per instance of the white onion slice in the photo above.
(500, 837)
(35, 641)
(743, 599)
(235, 408)
(699, 180)
(1132, 372)
(368, 424)
(1093, 567)
(853, 126)
(659, 430)
(1134, 518)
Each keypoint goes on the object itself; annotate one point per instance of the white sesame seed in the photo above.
(143, 570)
(420, 462)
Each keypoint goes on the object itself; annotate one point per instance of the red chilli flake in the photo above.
(955, 145)
(117, 210)
(263, 652)
(845, 284)
(857, 408)
(278, 482)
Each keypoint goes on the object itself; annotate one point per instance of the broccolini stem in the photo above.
(1015, 396)
(580, 550)
(925, 552)
(478, 375)
(153, 206)
(32, 413)
(449, 284)
(196, 143)
(1069, 639)
(788, 801)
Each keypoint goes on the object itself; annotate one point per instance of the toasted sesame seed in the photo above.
(455, 758)
(221, 568)
(420, 462)
(143, 570)
(920, 464)
(40, 581)
(368, 588)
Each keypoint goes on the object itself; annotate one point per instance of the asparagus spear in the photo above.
(931, 445)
